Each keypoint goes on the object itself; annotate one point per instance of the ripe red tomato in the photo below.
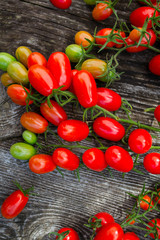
(66, 159)
(73, 130)
(94, 159)
(18, 94)
(36, 58)
(54, 113)
(108, 99)
(111, 231)
(152, 1)
(130, 236)
(85, 88)
(123, 35)
(154, 222)
(41, 163)
(139, 15)
(108, 128)
(119, 159)
(34, 122)
(60, 67)
(157, 113)
(71, 236)
(140, 141)
(14, 204)
(101, 12)
(154, 65)
(105, 218)
(151, 163)
(62, 4)
(42, 79)
(145, 205)
(71, 88)
(104, 32)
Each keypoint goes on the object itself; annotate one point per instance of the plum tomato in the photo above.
(29, 137)
(18, 72)
(74, 52)
(36, 58)
(105, 218)
(22, 54)
(6, 80)
(22, 151)
(90, 2)
(145, 202)
(72, 235)
(101, 11)
(62, 4)
(153, 223)
(130, 236)
(71, 88)
(119, 159)
(81, 38)
(151, 163)
(135, 35)
(157, 113)
(154, 65)
(103, 33)
(5, 60)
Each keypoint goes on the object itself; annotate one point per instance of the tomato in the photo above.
(60, 67)
(111, 231)
(22, 54)
(145, 205)
(22, 151)
(54, 113)
(104, 32)
(5, 60)
(73, 130)
(130, 236)
(18, 72)
(105, 218)
(128, 219)
(29, 137)
(71, 88)
(81, 38)
(101, 12)
(62, 4)
(152, 1)
(34, 122)
(157, 113)
(108, 128)
(66, 159)
(72, 235)
(94, 159)
(74, 52)
(154, 65)
(158, 197)
(135, 35)
(18, 95)
(42, 79)
(41, 163)
(151, 163)
(85, 89)
(14, 204)
(90, 2)
(6, 80)
(108, 99)
(154, 222)
(123, 35)
(36, 58)
(119, 159)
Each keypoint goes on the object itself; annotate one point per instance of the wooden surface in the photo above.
(66, 202)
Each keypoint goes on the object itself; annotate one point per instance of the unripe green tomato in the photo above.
(90, 2)
(96, 67)
(22, 151)
(22, 54)
(74, 52)
(29, 137)
(6, 80)
(5, 59)
(18, 72)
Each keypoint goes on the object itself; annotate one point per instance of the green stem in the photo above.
(155, 147)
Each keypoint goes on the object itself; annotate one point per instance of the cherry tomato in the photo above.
(101, 12)
(66, 159)
(22, 54)
(123, 35)
(90, 2)
(104, 32)
(119, 159)
(29, 137)
(151, 163)
(158, 197)
(130, 236)
(34, 122)
(62, 4)
(85, 88)
(152, 1)
(60, 67)
(108, 99)
(5, 60)
(18, 95)
(81, 36)
(145, 204)
(72, 235)
(128, 219)
(22, 151)
(94, 159)
(71, 88)
(74, 52)
(41, 163)
(154, 222)
(14, 204)
(42, 79)
(135, 35)
(154, 65)
(18, 72)
(36, 58)
(157, 113)
(111, 231)
(73, 130)
(105, 218)
(108, 128)
(6, 80)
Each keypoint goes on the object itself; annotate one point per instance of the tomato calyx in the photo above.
(26, 192)
(94, 224)
(60, 236)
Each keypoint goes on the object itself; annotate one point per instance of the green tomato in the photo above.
(18, 72)
(74, 52)
(29, 137)
(5, 59)
(22, 151)
(90, 2)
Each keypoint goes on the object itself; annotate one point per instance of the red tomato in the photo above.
(158, 197)
(157, 113)
(85, 88)
(130, 236)
(108, 99)
(128, 219)
(140, 141)
(36, 58)
(139, 15)
(41, 163)
(155, 222)
(60, 67)
(34, 122)
(14, 204)
(62, 4)
(71, 88)
(108, 128)
(71, 236)
(66, 159)
(154, 65)
(73, 130)
(42, 80)
(94, 159)
(101, 12)
(151, 163)
(105, 217)
(54, 114)
(104, 32)
(152, 1)
(123, 35)
(111, 231)
(18, 95)
(145, 205)
(119, 159)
